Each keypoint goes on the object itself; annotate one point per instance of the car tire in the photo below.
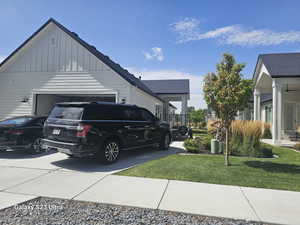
(110, 151)
(165, 142)
(36, 147)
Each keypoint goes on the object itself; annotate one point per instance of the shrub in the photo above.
(267, 131)
(206, 140)
(211, 129)
(202, 125)
(266, 151)
(297, 146)
(245, 140)
(193, 145)
(199, 131)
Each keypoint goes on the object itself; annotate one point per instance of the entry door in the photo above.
(290, 116)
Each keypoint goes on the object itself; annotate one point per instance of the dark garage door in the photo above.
(45, 102)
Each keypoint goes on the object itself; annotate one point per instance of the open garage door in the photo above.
(45, 102)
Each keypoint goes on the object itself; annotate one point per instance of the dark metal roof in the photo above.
(105, 59)
(178, 86)
(265, 97)
(282, 64)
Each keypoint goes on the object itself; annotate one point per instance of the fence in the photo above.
(177, 120)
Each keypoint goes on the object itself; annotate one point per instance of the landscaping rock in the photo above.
(58, 211)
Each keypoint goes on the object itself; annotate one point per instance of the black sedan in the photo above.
(22, 133)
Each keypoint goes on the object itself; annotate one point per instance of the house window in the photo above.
(158, 111)
(269, 114)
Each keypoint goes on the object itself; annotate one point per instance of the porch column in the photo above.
(184, 109)
(166, 110)
(277, 111)
(256, 104)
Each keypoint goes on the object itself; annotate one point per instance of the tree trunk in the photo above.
(227, 147)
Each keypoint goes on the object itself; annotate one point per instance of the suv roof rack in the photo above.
(94, 103)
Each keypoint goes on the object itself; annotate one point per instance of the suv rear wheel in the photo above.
(165, 142)
(110, 152)
(36, 147)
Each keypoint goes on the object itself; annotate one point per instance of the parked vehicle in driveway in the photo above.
(103, 129)
(22, 133)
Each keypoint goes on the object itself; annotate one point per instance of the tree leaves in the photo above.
(227, 92)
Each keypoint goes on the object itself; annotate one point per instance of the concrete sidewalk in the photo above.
(24, 177)
(255, 204)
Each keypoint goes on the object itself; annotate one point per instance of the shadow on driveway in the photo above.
(127, 159)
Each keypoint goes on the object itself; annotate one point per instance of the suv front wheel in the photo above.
(110, 152)
(165, 142)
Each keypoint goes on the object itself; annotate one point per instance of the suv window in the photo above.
(66, 112)
(16, 121)
(104, 113)
(39, 122)
(132, 114)
(146, 115)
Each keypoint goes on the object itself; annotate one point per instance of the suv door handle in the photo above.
(127, 127)
(147, 126)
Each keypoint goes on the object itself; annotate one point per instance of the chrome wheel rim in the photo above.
(167, 141)
(37, 145)
(111, 151)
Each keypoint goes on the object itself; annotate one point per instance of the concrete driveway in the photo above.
(53, 174)
(23, 177)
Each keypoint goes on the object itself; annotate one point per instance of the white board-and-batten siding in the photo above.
(54, 63)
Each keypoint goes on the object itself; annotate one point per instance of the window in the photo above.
(132, 114)
(66, 112)
(39, 122)
(158, 111)
(100, 112)
(268, 113)
(146, 115)
(16, 121)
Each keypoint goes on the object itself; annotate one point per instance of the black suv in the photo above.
(103, 129)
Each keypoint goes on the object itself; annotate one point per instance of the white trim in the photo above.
(36, 92)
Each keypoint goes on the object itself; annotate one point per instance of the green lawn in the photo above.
(277, 173)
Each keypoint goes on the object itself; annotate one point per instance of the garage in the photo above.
(56, 65)
(43, 103)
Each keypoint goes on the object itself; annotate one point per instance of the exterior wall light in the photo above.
(25, 99)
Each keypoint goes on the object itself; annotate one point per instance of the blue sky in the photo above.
(164, 39)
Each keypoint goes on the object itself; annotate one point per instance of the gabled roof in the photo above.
(178, 86)
(281, 64)
(104, 58)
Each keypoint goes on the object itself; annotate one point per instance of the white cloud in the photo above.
(156, 53)
(186, 24)
(235, 34)
(196, 81)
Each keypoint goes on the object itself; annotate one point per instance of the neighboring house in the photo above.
(266, 109)
(277, 93)
(56, 65)
(172, 90)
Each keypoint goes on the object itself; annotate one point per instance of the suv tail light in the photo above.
(82, 130)
(16, 132)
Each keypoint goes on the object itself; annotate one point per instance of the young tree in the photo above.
(226, 93)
